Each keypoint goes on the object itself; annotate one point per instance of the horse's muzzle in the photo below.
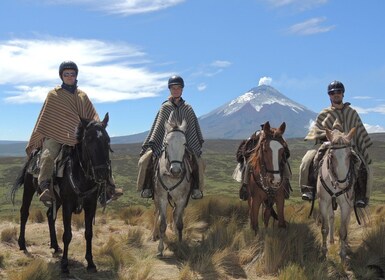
(176, 169)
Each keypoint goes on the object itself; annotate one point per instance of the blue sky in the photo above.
(127, 49)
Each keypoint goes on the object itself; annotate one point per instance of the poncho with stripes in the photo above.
(59, 117)
(180, 111)
(349, 118)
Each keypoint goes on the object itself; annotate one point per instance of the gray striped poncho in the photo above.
(349, 118)
(155, 137)
(59, 117)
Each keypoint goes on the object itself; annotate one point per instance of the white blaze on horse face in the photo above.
(99, 133)
(275, 146)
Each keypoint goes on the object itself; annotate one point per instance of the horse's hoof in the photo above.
(65, 271)
(159, 255)
(92, 269)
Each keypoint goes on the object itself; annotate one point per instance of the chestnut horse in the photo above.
(266, 165)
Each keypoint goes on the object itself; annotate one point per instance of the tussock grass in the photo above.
(9, 235)
(37, 216)
(2, 262)
(38, 269)
(135, 237)
(78, 221)
(131, 215)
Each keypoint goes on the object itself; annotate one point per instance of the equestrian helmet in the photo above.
(68, 65)
(336, 86)
(175, 80)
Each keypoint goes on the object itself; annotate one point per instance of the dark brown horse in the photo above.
(86, 174)
(266, 165)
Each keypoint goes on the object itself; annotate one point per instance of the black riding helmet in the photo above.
(336, 86)
(68, 65)
(175, 80)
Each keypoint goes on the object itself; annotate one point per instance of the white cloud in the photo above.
(300, 5)
(374, 128)
(265, 81)
(201, 87)
(123, 7)
(221, 64)
(361, 97)
(108, 72)
(310, 27)
(380, 109)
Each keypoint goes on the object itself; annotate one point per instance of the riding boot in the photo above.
(308, 193)
(196, 192)
(360, 188)
(243, 193)
(148, 186)
(46, 195)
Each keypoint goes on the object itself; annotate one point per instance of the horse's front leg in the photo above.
(345, 219)
(280, 202)
(52, 228)
(324, 206)
(178, 219)
(162, 227)
(89, 214)
(255, 204)
(67, 236)
(331, 225)
(155, 230)
(28, 193)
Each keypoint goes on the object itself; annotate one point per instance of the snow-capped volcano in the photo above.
(242, 116)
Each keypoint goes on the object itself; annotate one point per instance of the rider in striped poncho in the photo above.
(152, 146)
(348, 118)
(56, 126)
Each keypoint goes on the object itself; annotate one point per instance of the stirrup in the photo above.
(360, 203)
(308, 196)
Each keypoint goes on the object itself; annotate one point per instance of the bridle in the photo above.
(169, 164)
(86, 164)
(262, 178)
(335, 181)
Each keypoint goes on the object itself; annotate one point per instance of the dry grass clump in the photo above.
(38, 269)
(2, 263)
(37, 216)
(130, 215)
(78, 221)
(9, 235)
(135, 237)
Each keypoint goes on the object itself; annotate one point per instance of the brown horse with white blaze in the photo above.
(266, 165)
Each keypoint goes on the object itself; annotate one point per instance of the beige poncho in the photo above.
(59, 117)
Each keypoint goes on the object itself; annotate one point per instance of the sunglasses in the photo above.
(72, 74)
(335, 92)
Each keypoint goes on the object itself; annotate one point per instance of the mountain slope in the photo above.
(240, 117)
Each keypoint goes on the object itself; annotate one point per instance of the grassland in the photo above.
(218, 241)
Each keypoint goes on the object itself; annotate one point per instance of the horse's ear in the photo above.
(282, 128)
(351, 134)
(168, 127)
(105, 120)
(183, 126)
(329, 134)
(266, 127)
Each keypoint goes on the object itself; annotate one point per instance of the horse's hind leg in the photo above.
(331, 225)
(255, 204)
(28, 193)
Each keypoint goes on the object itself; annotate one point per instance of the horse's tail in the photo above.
(19, 181)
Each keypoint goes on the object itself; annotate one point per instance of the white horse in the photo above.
(335, 186)
(172, 182)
